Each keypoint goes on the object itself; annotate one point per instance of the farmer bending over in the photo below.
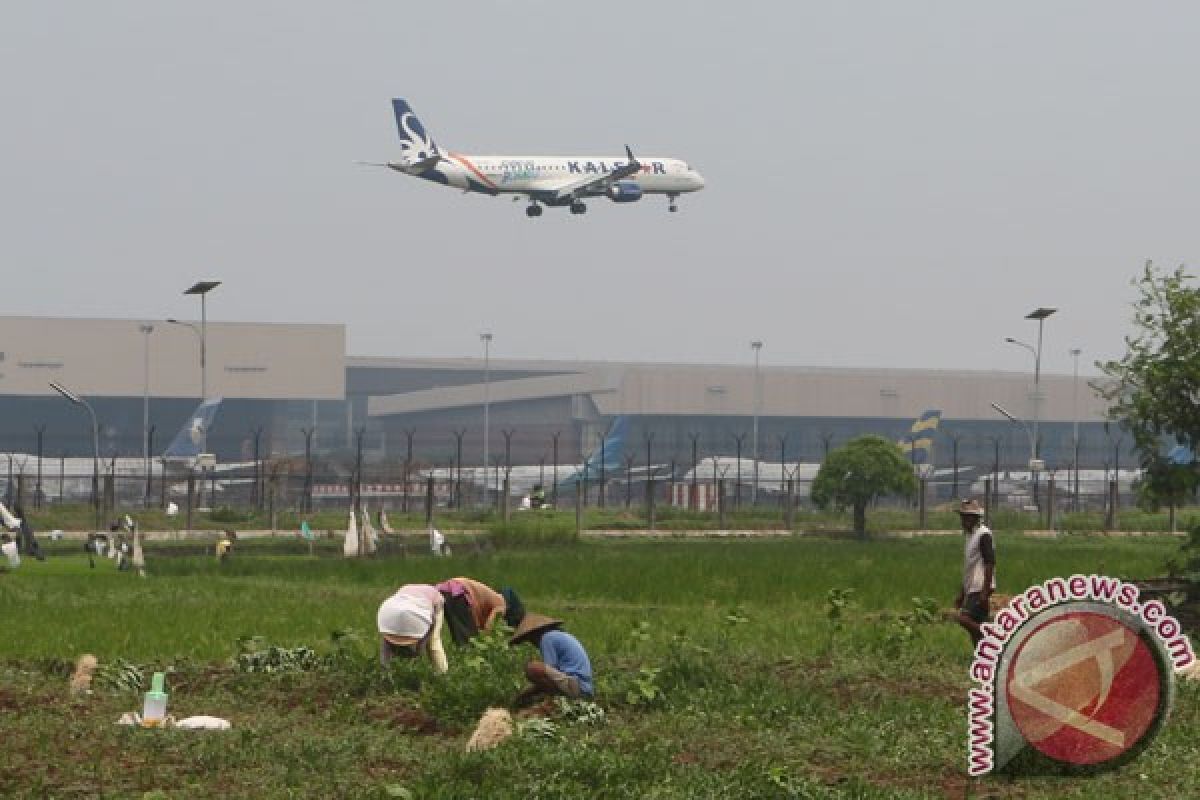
(410, 622)
(564, 668)
(471, 607)
(979, 570)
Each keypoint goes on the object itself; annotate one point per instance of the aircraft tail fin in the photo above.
(418, 150)
(191, 436)
(917, 444)
(610, 453)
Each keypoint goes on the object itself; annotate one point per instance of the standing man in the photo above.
(979, 570)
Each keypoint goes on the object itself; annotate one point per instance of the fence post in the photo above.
(1050, 498)
(428, 501)
(191, 495)
(721, 504)
(987, 498)
(21, 490)
(578, 509)
(504, 511)
(273, 483)
(650, 509)
(922, 505)
(1110, 519)
(789, 508)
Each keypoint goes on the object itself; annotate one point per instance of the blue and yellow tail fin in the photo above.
(917, 444)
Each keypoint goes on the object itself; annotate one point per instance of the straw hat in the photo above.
(533, 624)
(970, 508)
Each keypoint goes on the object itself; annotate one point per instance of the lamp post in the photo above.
(757, 347)
(79, 401)
(486, 338)
(1040, 315)
(1028, 432)
(146, 329)
(201, 288)
(1075, 351)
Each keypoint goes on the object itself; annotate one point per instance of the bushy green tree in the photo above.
(855, 474)
(1154, 389)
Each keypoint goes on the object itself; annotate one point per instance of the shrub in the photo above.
(533, 530)
(482, 674)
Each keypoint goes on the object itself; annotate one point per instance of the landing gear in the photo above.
(671, 198)
(533, 210)
(577, 207)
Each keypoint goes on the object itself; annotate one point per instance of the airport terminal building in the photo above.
(283, 383)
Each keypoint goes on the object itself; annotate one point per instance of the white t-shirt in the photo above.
(10, 550)
(973, 564)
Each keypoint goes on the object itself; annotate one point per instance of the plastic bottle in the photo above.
(154, 711)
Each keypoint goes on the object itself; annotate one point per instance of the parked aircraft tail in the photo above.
(610, 453)
(191, 436)
(418, 150)
(917, 444)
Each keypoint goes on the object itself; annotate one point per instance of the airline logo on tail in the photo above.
(190, 439)
(917, 444)
(418, 149)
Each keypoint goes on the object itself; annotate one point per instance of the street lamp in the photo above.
(1040, 315)
(757, 347)
(1034, 464)
(79, 401)
(146, 330)
(486, 338)
(199, 340)
(202, 288)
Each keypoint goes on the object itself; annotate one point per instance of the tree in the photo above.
(1154, 391)
(861, 470)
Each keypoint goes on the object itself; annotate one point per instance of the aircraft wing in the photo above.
(593, 183)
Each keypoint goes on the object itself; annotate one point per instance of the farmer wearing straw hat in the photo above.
(979, 570)
(410, 622)
(564, 669)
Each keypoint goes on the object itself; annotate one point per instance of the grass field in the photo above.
(718, 667)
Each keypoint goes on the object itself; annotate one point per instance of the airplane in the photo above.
(556, 181)
(523, 478)
(75, 473)
(916, 446)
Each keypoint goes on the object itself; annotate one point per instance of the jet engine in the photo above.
(624, 192)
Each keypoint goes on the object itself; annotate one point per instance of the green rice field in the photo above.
(723, 670)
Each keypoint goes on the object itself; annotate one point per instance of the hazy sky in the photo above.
(889, 184)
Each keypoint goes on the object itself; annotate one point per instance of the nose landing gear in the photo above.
(533, 210)
(577, 207)
(671, 198)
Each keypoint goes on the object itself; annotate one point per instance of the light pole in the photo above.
(1040, 315)
(201, 288)
(1028, 432)
(1075, 351)
(79, 401)
(757, 347)
(146, 329)
(486, 338)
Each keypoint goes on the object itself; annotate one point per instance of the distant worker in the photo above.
(9, 548)
(27, 542)
(564, 669)
(471, 607)
(979, 570)
(120, 546)
(410, 623)
(225, 544)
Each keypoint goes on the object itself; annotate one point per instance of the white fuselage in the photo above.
(497, 174)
